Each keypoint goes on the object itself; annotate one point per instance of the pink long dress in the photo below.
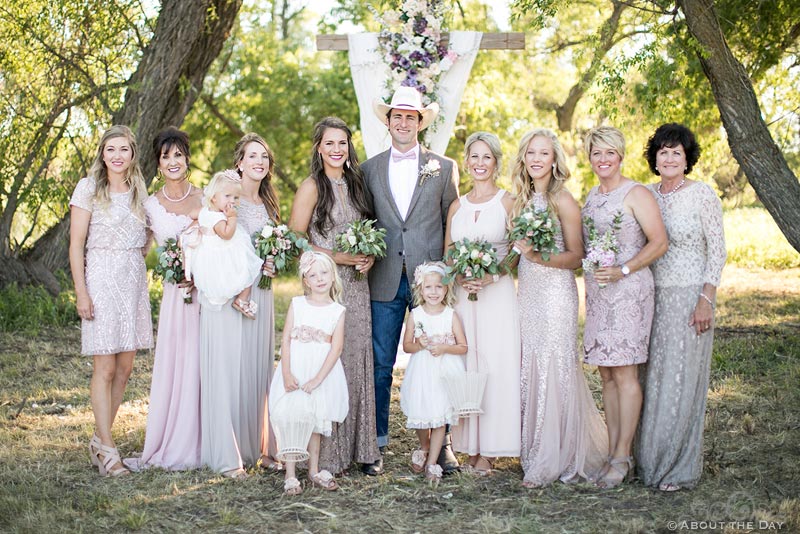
(172, 439)
(491, 325)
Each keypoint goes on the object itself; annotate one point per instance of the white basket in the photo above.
(465, 391)
(293, 420)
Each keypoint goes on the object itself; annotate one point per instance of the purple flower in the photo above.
(420, 23)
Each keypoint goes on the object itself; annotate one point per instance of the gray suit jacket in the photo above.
(418, 238)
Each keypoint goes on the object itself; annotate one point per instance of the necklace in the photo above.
(164, 192)
(338, 181)
(665, 195)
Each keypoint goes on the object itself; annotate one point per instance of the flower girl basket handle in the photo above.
(465, 390)
(293, 419)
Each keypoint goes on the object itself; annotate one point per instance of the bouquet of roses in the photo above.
(535, 226)
(602, 249)
(169, 266)
(279, 244)
(472, 259)
(362, 237)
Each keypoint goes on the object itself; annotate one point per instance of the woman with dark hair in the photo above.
(669, 448)
(106, 255)
(172, 438)
(326, 202)
(255, 163)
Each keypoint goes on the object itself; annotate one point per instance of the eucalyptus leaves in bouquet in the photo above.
(169, 266)
(362, 236)
(471, 259)
(537, 227)
(281, 245)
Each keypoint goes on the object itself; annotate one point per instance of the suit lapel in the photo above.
(383, 166)
(423, 159)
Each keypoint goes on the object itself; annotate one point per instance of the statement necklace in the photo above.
(164, 192)
(665, 195)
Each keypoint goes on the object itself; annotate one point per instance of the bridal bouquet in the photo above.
(472, 259)
(362, 237)
(535, 226)
(281, 245)
(602, 249)
(169, 266)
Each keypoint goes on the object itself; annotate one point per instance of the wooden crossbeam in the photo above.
(489, 41)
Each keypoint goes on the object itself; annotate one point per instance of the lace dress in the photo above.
(423, 397)
(116, 277)
(258, 356)
(618, 316)
(310, 345)
(669, 448)
(354, 438)
(172, 440)
(563, 435)
(492, 328)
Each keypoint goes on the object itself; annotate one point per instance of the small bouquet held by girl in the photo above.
(538, 227)
(313, 336)
(279, 244)
(362, 237)
(435, 336)
(224, 264)
(602, 249)
(471, 259)
(169, 266)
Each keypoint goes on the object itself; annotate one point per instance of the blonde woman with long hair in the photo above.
(106, 256)
(563, 436)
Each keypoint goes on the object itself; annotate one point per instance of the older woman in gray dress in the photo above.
(669, 450)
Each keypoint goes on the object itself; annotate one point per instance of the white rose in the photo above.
(474, 254)
(352, 240)
(267, 231)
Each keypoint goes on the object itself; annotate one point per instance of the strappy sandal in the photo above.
(292, 486)
(669, 488)
(94, 448)
(324, 479)
(418, 459)
(605, 483)
(270, 464)
(246, 308)
(107, 458)
(594, 476)
(236, 474)
(482, 472)
(433, 473)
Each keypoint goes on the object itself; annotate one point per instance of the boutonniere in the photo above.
(429, 170)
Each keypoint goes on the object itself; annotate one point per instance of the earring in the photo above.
(685, 169)
(554, 166)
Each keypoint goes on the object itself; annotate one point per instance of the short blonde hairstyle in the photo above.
(336, 287)
(218, 181)
(605, 137)
(428, 268)
(494, 146)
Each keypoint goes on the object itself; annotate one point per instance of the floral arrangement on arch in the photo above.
(411, 44)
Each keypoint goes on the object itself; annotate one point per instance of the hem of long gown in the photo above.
(490, 454)
(421, 425)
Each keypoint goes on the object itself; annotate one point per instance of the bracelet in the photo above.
(703, 295)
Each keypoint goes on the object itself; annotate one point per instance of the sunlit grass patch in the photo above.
(754, 240)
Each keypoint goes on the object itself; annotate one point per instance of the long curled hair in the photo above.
(353, 177)
(522, 181)
(266, 191)
(133, 177)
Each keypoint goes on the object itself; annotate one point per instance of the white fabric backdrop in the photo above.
(370, 73)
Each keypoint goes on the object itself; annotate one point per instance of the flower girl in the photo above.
(435, 335)
(313, 336)
(224, 263)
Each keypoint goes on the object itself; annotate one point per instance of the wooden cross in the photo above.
(489, 41)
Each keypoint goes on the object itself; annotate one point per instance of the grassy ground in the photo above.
(752, 452)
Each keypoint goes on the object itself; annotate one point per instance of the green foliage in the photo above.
(31, 308)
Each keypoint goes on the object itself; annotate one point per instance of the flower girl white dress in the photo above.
(423, 397)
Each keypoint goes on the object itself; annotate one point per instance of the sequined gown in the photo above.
(492, 328)
(172, 439)
(258, 357)
(618, 316)
(116, 277)
(563, 435)
(354, 439)
(669, 448)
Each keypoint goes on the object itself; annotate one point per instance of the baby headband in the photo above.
(427, 268)
(307, 260)
(231, 175)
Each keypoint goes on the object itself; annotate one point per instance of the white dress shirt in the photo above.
(403, 179)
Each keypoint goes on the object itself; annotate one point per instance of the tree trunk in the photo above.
(167, 82)
(748, 136)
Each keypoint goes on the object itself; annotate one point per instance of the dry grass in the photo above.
(752, 452)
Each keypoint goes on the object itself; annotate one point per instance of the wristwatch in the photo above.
(625, 270)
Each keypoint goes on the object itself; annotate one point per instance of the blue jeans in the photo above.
(387, 322)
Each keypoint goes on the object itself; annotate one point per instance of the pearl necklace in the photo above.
(164, 192)
(666, 195)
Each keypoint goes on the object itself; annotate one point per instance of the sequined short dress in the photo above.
(116, 276)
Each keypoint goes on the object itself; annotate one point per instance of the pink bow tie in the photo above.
(396, 156)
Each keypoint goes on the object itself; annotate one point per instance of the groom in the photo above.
(410, 191)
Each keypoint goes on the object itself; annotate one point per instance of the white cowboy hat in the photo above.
(407, 98)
